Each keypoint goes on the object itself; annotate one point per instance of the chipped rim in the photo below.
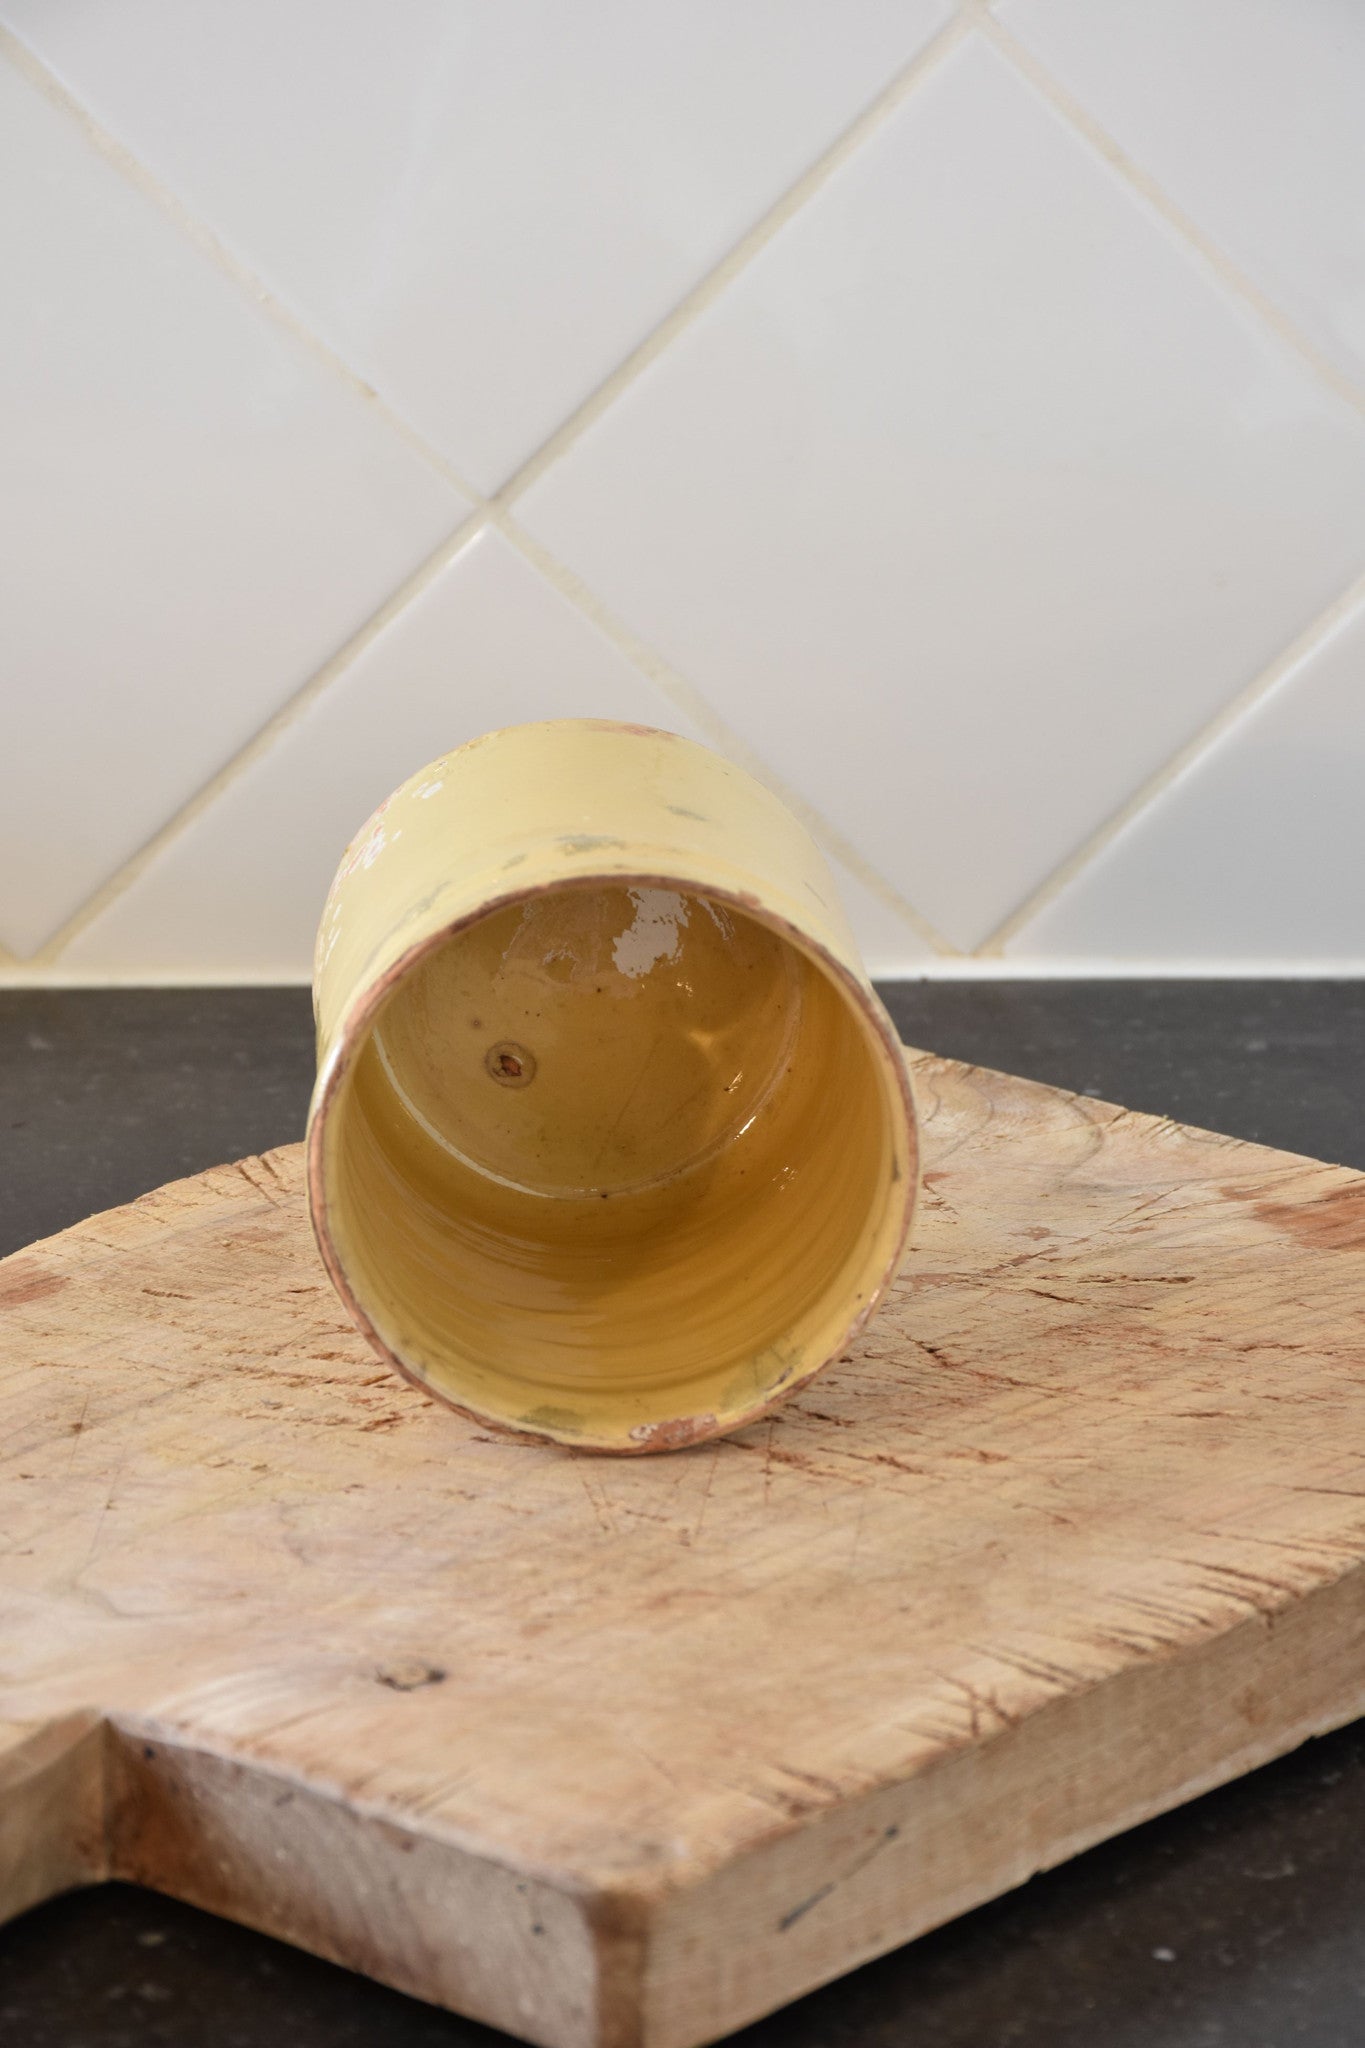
(674, 1433)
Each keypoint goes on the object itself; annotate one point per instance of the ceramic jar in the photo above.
(612, 1142)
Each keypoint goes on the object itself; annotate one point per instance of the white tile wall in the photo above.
(238, 888)
(240, 885)
(1066, 479)
(483, 208)
(193, 519)
(959, 415)
(1250, 115)
(1253, 850)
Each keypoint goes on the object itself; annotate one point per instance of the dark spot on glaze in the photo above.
(511, 1065)
(563, 1421)
(589, 842)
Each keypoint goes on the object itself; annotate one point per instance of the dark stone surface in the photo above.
(1238, 1922)
(105, 1093)
(1281, 1062)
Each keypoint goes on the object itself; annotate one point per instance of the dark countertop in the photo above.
(1238, 1920)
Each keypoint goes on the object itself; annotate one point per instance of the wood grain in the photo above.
(630, 1753)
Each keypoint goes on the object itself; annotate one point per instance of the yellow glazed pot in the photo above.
(611, 1141)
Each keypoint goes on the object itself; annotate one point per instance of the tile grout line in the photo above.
(491, 508)
(695, 302)
(968, 14)
(645, 659)
(484, 508)
(210, 246)
(261, 741)
(679, 692)
(736, 260)
(957, 968)
(1228, 273)
(1232, 714)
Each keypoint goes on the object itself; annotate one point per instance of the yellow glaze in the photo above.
(611, 1141)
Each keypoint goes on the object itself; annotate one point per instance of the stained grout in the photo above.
(690, 701)
(737, 260)
(494, 508)
(209, 245)
(1224, 721)
(1228, 273)
(483, 508)
(647, 662)
(262, 740)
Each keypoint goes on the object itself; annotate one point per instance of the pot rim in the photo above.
(349, 1037)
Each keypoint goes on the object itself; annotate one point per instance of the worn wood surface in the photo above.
(631, 1752)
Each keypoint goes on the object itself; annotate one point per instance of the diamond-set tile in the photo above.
(482, 208)
(1250, 114)
(239, 890)
(890, 947)
(1255, 855)
(970, 501)
(965, 504)
(195, 516)
(241, 887)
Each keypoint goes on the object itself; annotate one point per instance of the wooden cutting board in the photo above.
(631, 1752)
